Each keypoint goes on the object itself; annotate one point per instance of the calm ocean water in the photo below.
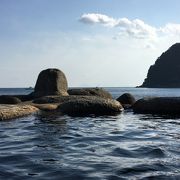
(127, 146)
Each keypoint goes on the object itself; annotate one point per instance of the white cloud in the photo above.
(133, 28)
(92, 18)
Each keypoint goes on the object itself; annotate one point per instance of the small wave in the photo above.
(141, 152)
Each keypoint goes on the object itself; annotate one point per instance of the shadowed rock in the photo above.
(165, 72)
(46, 107)
(6, 99)
(15, 111)
(90, 92)
(127, 100)
(55, 99)
(158, 105)
(50, 82)
(90, 105)
(24, 97)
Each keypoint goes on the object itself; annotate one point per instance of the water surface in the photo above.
(127, 146)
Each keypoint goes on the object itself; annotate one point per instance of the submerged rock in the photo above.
(90, 92)
(158, 105)
(90, 105)
(166, 70)
(127, 100)
(51, 82)
(16, 111)
(7, 99)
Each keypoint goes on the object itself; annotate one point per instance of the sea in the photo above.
(126, 146)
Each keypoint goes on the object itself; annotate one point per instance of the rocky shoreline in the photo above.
(51, 93)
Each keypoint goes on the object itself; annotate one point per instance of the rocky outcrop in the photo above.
(7, 99)
(166, 70)
(50, 94)
(90, 92)
(127, 100)
(90, 105)
(16, 111)
(51, 82)
(158, 105)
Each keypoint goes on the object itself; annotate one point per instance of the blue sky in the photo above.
(95, 42)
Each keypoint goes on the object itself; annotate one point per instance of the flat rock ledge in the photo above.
(15, 111)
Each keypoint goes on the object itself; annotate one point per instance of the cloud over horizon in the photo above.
(133, 28)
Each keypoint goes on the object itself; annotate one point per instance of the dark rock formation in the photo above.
(158, 105)
(90, 92)
(165, 73)
(90, 105)
(127, 100)
(6, 99)
(50, 82)
(24, 97)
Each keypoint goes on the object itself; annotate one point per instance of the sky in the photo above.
(96, 43)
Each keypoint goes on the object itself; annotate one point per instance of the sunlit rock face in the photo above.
(165, 73)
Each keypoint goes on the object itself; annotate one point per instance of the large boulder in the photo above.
(158, 105)
(165, 72)
(51, 82)
(90, 105)
(7, 99)
(90, 92)
(127, 100)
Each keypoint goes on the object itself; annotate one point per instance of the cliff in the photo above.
(165, 73)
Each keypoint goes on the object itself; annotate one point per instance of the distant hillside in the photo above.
(165, 73)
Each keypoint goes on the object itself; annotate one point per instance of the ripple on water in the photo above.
(127, 146)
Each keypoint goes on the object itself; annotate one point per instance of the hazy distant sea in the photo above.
(127, 146)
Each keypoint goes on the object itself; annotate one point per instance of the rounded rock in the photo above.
(127, 100)
(7, 99)
(51, 82)
(90, 105)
